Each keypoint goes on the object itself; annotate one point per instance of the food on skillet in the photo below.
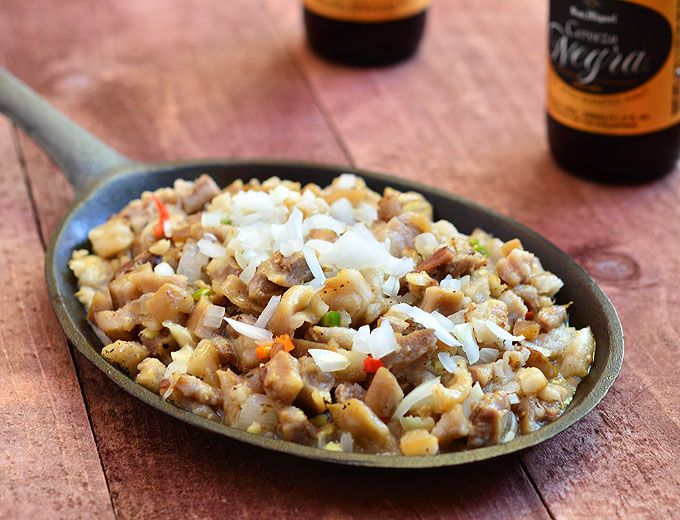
(333, 317)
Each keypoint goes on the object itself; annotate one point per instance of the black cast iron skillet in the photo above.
(105, 181)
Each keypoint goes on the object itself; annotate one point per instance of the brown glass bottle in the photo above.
(366, 32)
(613, 91)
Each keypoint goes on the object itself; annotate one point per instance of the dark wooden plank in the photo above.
(467, 115)
(268, 111)
(49, 466)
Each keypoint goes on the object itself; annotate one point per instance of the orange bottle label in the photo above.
(367, 10)
(614, 65)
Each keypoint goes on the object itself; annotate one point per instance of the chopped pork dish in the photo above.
(334, 317)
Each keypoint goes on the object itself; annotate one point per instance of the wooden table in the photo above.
(167, 79)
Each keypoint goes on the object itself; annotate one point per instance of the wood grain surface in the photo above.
(164, 79)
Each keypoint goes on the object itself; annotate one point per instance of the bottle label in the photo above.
(367, 10)
(614, 65)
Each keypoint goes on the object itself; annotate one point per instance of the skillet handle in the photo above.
(82, 157)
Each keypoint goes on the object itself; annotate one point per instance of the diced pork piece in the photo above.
(528, 329)
(445, 397)
(384, 393)
(415, 351)
(126, 354)
(260, 289)
(531, 381)
(100, 301)
(482, 373)
(327, 235)
(158, 343)
(446, 261)
(516, 267)
(552, 317)
(148, 281)
(547, 284)
(393, 203)
(205, 319)
(508, 246)
(111, 237)
(578, 356)
(556, 340)
(91, 270)
(123, 291)
(348, 291)
(315, 393)
(531, 415)
(259, 411)
(294, 425)
(299, 304)
(343, 336)
(204, 362)
(492, 310)
(219, 268)
(538, 360)
(282, 381)
(490, 420)
(117, 324)
(441, 300)
(419, 443)
(354, 373)
(368, 431)
(286, 271)
(529, 295)
(235, 391)
(150, 374)
(418, 282)
(190, 388)
(169, 302)
(204, 190)
(401, 234)
(346, 391)
(451, 425)
(516, 308)
(237, 293)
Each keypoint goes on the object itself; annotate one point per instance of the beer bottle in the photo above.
(613, 103)
(365, 32)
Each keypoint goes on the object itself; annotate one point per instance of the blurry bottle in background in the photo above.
(365, 32)
(614, 88)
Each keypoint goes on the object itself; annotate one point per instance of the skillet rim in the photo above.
(573, 413)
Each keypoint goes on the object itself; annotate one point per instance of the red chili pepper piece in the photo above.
(371, 365)
(163, 217)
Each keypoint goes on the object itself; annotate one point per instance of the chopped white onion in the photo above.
(514, 398)
(463, 333)
(419, 394)
(327, 360)
(475, 395)
(211, 248)
(289, 236)
(378, 342)
(488, 355)
(212, 318)
(211, 219)
(318, 245)
(366, 213)
(450, 283)
(267, 312)
(180, 334)
(443, 321)
(250, 331)
(164, 269)
(358, 249)
(314, 267)
(361, 342)
(383, 341)
(258, 409)
(428, 321)
(342, 210)
(347, 442)
(486, 331)
(191, 262)
(345, 181)
(167, 228)
(322, 221)
(249, 271)
(391, 286)
(426, 244)
(178, 365)
(447, 362)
